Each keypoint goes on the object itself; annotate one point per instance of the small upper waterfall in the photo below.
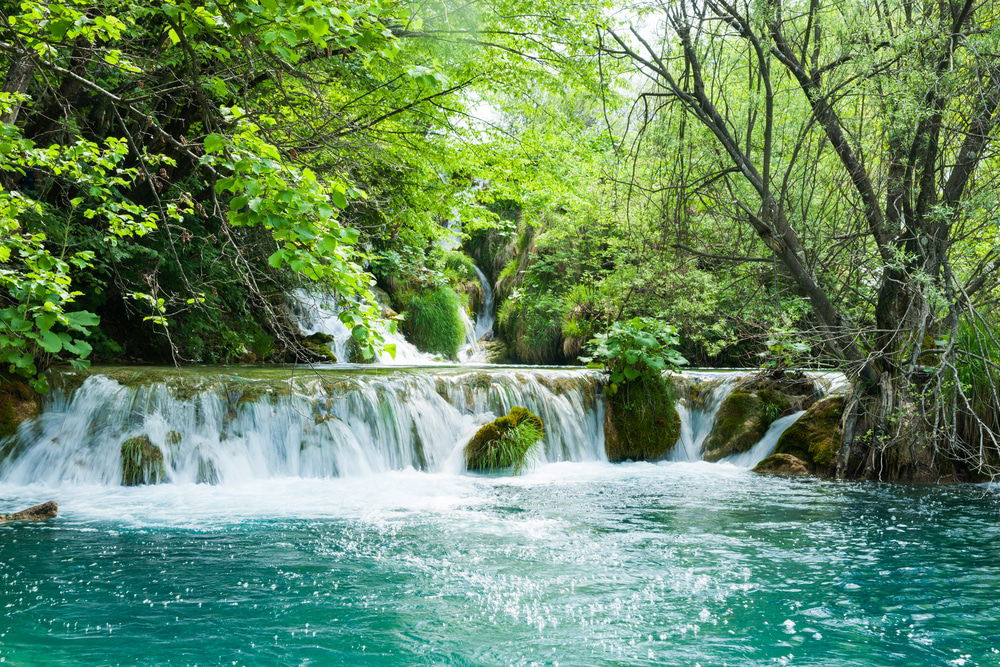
(486, 316)
(319, 313)
(482, 329)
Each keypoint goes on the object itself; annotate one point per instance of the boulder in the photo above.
(815, 436)
(142, 462)
(504, 442)
(745, 414)
(37, 513)
(783, 464)
(641, 422)
(316, 348)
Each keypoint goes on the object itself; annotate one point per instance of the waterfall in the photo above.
(212, 426)
(320, 313)
(222, 429)
(472, 350)
(765, 445)
(487, 309)
(698, 407)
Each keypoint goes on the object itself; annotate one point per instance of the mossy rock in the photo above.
(316, 348)
(796, 385)
(142, 462)
(747, 412)
(504, 442)
(815, 436)
(641, 422)
(741, 422)
(783, 464)
(354, 354)
(18, 402)
(495, 350)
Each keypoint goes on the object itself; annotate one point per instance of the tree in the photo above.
(890, 108)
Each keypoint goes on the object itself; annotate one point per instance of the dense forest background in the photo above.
(788, 184)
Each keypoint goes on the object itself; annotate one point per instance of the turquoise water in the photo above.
(574, 564)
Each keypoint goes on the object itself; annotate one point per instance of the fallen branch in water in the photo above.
(37, 513)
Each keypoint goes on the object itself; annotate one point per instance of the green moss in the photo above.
(505, 442)
(815, 436)
(316, 348)
(142, 462)
(354, 353)
(434, 322)
(641, 422)
(782, 464)
(742, 420)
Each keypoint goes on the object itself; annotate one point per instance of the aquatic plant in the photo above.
(505, 442)
(142, 462)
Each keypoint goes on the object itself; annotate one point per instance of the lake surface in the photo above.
(572, 564)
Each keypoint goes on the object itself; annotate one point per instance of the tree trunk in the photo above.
(17, 81)
(889, 434)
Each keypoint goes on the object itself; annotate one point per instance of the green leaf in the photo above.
(49, 342)
(339, 199)
(214, 143)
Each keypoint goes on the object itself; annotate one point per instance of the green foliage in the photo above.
(38, 323)
(434, 322)
(506, 442)
(638, 349)
(977, 368)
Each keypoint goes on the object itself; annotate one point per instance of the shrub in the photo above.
(639, 348)
(434, 323)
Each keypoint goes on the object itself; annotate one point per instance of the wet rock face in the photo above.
(641, 422)
(18, 402)
(815, 437)
(142, 462)
(783, 464)
(37, 513)
(753, 405)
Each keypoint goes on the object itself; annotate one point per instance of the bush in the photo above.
(434, 322)
(639, 348)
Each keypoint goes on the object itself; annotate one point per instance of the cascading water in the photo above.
(698, 407)
(222, 429)
(319, 313)
(475, 332)
(487, 310)
(765, 445)
(215, 427)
